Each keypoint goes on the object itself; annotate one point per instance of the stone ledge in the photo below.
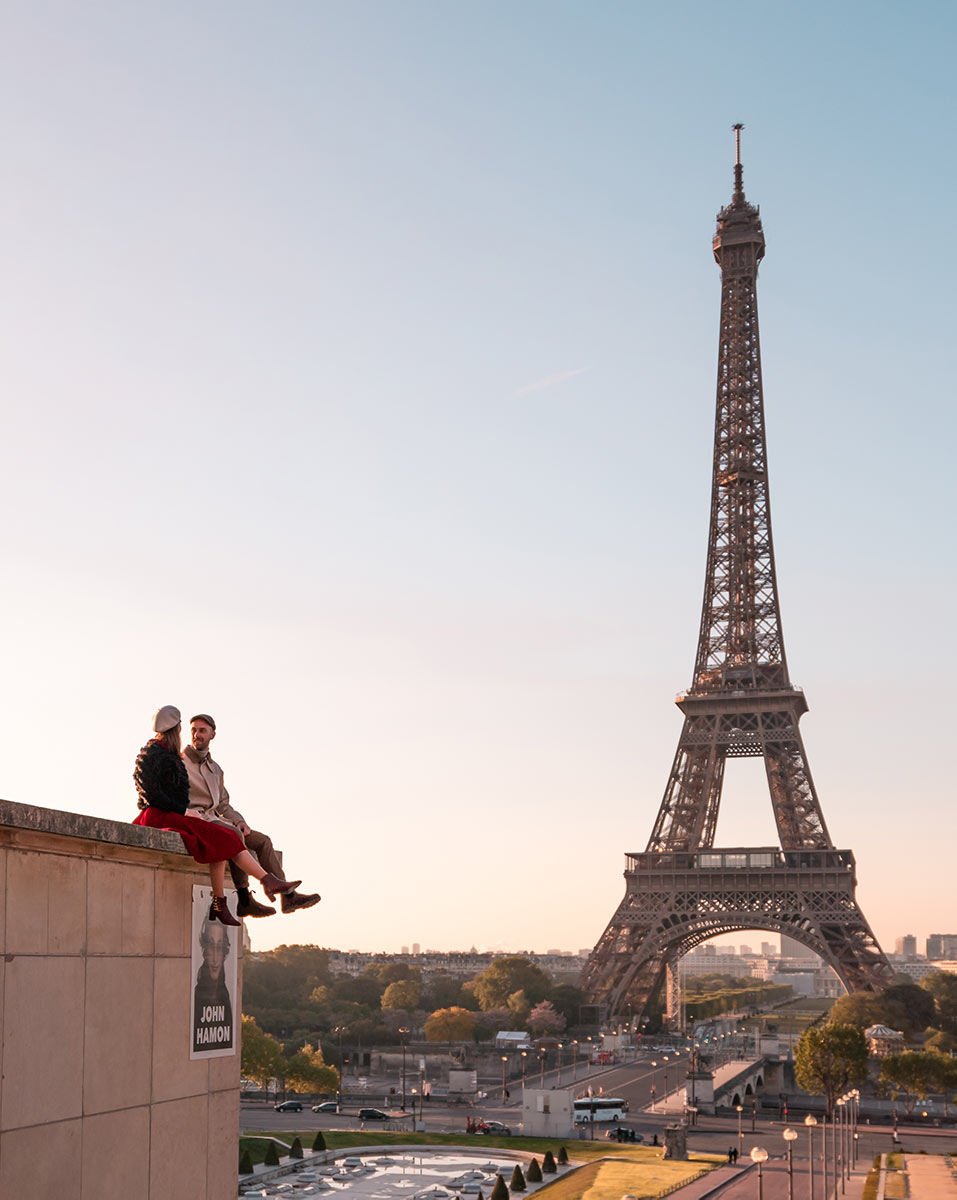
(96, 829)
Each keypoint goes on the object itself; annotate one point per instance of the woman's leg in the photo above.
(246, 862)
(217, 877)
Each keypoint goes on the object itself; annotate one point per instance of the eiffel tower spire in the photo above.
(741, 703)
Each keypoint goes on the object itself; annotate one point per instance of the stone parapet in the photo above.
(98, 1094)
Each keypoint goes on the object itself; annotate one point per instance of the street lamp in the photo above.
(654, 1067)
(403, 1034)
(759, 1155)
(560, 1064)
(574, 1059)
(541, 1059)
(810, 1122)
(524, 1057)
(789, 1135)
(504, 1061)
(739, 1108)
(839, 1159)
(338, 1030)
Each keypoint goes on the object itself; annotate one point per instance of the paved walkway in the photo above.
(931, 1177)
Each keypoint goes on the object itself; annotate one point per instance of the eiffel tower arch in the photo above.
(682, 890)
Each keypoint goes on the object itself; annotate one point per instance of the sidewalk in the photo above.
(931, 1177)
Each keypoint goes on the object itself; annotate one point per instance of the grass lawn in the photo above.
(612, 1180)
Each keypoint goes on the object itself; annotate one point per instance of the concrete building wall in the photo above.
(98, 1095)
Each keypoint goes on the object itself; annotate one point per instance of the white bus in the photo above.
(600, 1108)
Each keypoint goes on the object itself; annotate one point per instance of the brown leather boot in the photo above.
(219, 911)
(252, 908)
(293, 900)
(273, 885)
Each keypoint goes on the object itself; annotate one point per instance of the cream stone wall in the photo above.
(98, 1095)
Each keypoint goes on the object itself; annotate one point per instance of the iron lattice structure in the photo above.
(741, 703)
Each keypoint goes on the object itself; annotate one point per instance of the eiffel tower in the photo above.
(682, 890)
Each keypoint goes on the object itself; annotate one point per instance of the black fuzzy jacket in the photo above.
(161, 779)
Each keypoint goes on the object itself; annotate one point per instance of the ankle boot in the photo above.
(273, 885)
(219, 911)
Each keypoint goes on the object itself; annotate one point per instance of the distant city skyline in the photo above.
(361, 376)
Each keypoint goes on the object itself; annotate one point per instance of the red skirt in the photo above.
(207, 842)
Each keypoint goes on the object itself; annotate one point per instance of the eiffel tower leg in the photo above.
(689, 809)
(673, 1011)
(797, 811)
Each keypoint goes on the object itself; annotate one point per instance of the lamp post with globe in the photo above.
(810, 1122)
(789, 1135)
(760, 1156)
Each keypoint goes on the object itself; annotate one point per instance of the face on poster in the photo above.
(213, 1008)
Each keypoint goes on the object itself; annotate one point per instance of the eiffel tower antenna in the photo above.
(682, 891)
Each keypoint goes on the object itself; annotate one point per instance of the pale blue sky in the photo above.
(359, 372)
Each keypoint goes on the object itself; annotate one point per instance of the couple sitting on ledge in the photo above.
(185, 792)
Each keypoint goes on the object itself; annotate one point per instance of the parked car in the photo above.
(495, 1127)
(326, 1106)
(372, 1114)
(289, 1106)
(622, 1133)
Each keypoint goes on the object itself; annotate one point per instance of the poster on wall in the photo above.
(214, 1013)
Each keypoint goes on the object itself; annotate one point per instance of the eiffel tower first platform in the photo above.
(682, 890)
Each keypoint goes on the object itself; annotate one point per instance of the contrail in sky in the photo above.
(550, 380)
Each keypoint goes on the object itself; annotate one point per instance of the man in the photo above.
(209, 799)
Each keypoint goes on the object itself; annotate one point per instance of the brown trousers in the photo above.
(269, 858)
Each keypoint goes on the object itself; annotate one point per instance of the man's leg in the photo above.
(261, 845)
(247, 906)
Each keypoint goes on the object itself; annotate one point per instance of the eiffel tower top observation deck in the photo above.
(741, 703)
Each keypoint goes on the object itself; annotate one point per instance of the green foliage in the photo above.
(403, 993)
(534, 1173)
(830, 1059)
(295, 1150)
(262, 1059)
(500, 1190)
(567, 1000)
(245, 1163)
(548, 1163)
(518, 1007)
(271, 1157)
(306, 1071)
(319, 1142)
(918, 1074)
(939, 1040)
(450, 1025)
(444, 991)
(943, 987)
(518, 1179)
(861, 1009)
(507, 975)
(734, 995)
(562, 1156)
(906, 1006)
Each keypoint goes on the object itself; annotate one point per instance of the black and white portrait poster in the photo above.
(214, 1013)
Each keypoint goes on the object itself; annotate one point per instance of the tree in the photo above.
(319, 1143)
(245, 1162)
(307, 1072)
(917, 1074)
(262, 1059)
(943, 987)
(858, 1008)
(562, 1156)
(940, 1040)
(500, 1190)
(534, 1173)
(403, 993)
(518, 1179)
(829, 1060)
(450, 1025)
(271, 1157)
(908, 1006)
(544, 1019)
(295, 1150)
(509, 974)
(548, 1163)
(442, 991)
(567, 1000)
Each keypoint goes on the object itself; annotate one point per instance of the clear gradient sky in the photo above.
(358, 375)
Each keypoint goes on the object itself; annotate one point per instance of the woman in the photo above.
(163, 788)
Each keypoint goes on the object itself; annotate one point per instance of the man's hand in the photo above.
(243, 828)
